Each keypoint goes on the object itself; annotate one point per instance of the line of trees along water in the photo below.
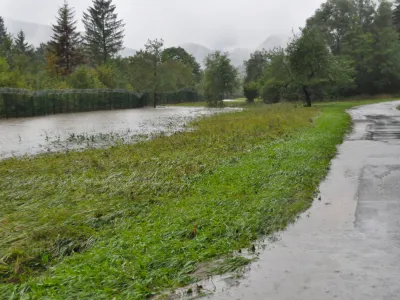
(347, 48)
(70, 64)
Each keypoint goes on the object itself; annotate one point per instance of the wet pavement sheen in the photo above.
(347, 246)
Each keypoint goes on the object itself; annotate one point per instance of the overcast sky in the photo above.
(237, 23)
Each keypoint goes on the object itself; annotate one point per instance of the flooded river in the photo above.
(29, 136)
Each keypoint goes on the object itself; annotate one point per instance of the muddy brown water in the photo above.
(347, 246)
(29, 136)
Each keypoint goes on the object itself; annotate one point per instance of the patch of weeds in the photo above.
(231, 264)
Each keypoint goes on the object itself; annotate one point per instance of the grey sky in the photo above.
(234, 23)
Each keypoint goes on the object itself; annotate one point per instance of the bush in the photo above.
(84, 78)
(270, 93)
(250, 91)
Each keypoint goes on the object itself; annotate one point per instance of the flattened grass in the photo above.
(132, 220)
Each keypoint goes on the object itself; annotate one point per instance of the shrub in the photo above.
(250, 91)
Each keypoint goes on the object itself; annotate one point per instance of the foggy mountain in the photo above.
(237, 55)
(274, 41)
(198, 51)
(39, 33)
(35, 33)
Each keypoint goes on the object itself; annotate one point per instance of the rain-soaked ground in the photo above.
(347, 246)
(92, 129)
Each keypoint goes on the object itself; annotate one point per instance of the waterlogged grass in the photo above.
(239, 102)
(129, 221)
(190, 104)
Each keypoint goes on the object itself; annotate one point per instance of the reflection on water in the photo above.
(80, 130)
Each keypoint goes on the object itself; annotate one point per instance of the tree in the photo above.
(276, 82)
(383, 17)
(3, 30)
(365, 10)
(9, 78)
(65, 43)
(255, 66)
(104, 33)
(107, 76)
(334, 18)
(84, 78)
(220, 77)
(21, 45)
(250, 91)
(153, 54)
(396, 15)
(312, 64)
(180, 54)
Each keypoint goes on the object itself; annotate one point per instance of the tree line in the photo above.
(91, 60)
(347, 48)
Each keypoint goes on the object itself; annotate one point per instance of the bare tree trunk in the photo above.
(307, 95)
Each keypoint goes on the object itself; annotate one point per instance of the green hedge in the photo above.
(16, 103)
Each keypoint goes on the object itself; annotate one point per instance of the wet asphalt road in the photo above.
(347, 246)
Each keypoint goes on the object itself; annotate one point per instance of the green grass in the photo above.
(239, 102)
(133, 220)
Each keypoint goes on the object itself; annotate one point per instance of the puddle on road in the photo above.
(54, 133)
(383, 128)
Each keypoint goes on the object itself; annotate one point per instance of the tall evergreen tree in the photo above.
(3, 30)
(21, 45)
(104, 33)
(65, 43)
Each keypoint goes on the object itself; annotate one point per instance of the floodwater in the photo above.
(29, 136)
(347, 246)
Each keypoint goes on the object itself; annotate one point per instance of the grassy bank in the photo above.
(130, 221)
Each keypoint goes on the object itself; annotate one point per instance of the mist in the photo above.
(218, 24)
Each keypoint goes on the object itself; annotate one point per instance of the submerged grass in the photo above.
(129, 221)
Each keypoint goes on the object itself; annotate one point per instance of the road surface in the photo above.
(347, 246)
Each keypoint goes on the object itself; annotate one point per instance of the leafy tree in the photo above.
(255, 66)
(365, 10)
(180, 54)
(65, 44)
(174, 75)
(383, 17)
(21, 45)
(334, 18)
(250, 91)
(153, 56)
(104, 33)
(313, 65)
(9, 78)
(84, 78)
(220, 77)
(275, 83)
(107, 76)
